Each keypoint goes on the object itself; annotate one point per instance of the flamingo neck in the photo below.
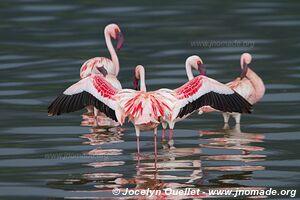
(112, 52)
(188, 69)
(257, 83)
(142, 81)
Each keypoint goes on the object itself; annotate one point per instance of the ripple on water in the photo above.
(280, 86)
(282, 97)
(22, 101)
(119, 10)
(16, 151)
(255, 10)
(48, 130)
(47, 8)
(24, 64)
(34, 19)
(14, 92)
(279, 23)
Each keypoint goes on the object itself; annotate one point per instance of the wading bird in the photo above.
(191, 62)
(249, 85)
(147, 109)
(109, 68)
(112, 66)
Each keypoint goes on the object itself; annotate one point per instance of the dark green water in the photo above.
(44, 43)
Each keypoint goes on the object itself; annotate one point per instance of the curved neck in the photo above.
(189, 73)
(112, 52)
(142, 81)
(257, 83)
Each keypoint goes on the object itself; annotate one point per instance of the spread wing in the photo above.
(204, 91)
(93, 90)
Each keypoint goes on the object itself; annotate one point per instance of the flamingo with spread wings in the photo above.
(147, 109)
(191, 62)
(219, 95)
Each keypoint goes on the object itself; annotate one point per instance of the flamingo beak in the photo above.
(120, 40)
(202, 69)
(244, 71)
(136, 83)
(102, 70)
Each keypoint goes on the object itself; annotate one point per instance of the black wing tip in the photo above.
(71, 103)
(223, 102)
(246, 106)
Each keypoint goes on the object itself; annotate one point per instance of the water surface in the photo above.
(44, 43)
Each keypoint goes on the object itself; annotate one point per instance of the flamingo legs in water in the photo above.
(236, 116)
(137, 133)
(96, 116)
(138, 145)
(171, 134)
(226, 117)
(163, 134)
(164, 125)
(155, 146)
(171, 126)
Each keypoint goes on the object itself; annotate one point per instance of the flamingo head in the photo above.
(245, 61)
(115, 32)
(197, 63)
(201, 68)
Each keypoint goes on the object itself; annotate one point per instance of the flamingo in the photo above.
(108, 67)
(112, 66)
(249, 85)
(147, 109)
(195, 62)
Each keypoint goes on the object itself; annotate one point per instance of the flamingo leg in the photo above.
(155, 146)
(237, 118)
(163, 134)
(89, 109)
(171, 125)
(137, 133)
(138, 146)
(96, 116)
(164, 125)
(96, 112)
(155, 166)
(171, 134)
(226, 117)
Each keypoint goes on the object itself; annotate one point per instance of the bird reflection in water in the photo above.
(105, 132)
(175, 168)
(104, 122)
(234, 139)
(181, 167)
(101, 159)
(236, 149)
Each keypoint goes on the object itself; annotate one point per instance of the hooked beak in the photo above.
(244, 71)
(102, 70)
(202, 69)
(136, 83)
(120, 40)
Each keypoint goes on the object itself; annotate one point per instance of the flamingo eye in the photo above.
(198, 62)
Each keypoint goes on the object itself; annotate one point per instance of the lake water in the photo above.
(44, 43)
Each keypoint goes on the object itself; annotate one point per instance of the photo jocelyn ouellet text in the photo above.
(198, 192)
